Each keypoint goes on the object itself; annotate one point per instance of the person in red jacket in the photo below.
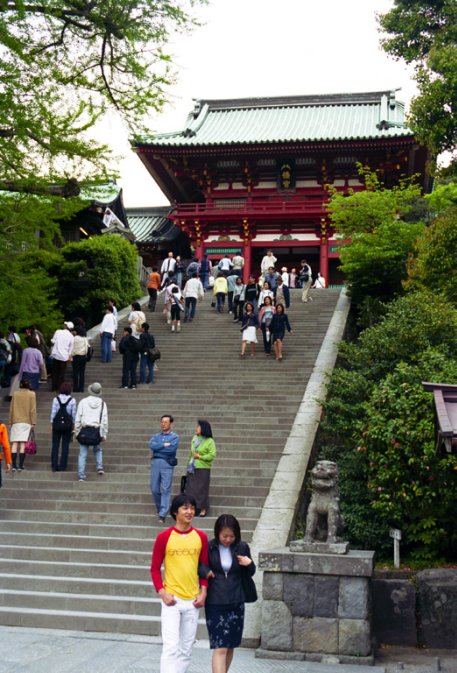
(180, 548)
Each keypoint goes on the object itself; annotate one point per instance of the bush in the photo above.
(28, 293)
(436, 258)
(375, 399)
(95, 270)
(413, 487)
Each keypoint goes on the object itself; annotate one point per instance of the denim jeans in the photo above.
(220, 298)
(204, 277)
(191, 305)
(146, 364)
(161, 480)
(82, 459)
(107, 338)
(33, 378)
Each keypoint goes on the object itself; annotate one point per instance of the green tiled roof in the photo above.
(151, 225)
(373, 115)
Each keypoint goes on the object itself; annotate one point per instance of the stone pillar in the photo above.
(316, 606)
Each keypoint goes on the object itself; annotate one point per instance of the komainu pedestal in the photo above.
(316, 606)
(316, 593)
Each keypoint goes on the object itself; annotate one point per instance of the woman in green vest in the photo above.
(201, 456)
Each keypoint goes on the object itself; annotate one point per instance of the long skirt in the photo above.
(197, 485)
(225, 625)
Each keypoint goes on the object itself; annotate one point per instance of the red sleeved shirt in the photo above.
(180, 552)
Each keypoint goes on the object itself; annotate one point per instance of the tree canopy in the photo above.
(424, 33)
(62, 63)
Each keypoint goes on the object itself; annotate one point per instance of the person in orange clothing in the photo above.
(153, 285)
(5, 450)
(181, 549)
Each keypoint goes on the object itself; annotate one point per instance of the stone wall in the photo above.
(417, 609)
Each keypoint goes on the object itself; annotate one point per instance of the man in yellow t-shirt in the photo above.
(180, 548)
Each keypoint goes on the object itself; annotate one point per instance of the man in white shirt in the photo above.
(268, 260)
(62, 348)
(238, 263)
(107, 332)
(168, 265)
(193, 292)
(285, 276)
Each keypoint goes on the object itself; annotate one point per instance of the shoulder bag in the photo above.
(249, 588)
(90, 435)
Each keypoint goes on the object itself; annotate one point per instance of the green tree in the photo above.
(377, 419)
(378, 223)
(435, 260)
(424, 33)
(95, 270)
(63, 63)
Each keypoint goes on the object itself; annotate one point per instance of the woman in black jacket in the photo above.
(278, 326)
(229, 559)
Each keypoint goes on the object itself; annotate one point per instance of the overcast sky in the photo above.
(267, 48)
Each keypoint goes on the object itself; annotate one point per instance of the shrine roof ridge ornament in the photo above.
(289, 119)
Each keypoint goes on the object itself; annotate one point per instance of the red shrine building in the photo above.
(249, 175)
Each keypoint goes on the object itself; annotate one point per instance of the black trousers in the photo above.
(58, 373)
(57, 438)
(129, 371)
(152, 298)
(79, 371)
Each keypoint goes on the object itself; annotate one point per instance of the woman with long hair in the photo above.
(199, 463)
(229, 558)
(266, 314)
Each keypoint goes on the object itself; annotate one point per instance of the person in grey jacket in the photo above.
(228, 559)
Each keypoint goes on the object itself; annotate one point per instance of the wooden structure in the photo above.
(445, 398)
(248, 175)
(104, 214)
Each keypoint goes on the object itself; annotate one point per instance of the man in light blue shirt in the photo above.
(164, 446)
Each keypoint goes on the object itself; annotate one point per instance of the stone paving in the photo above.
(25, 650)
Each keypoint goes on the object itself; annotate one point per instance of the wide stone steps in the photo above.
(77, 556)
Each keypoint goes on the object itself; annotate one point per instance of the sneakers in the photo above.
(82, 479)
(101, 472)
(178, 329)
(131, 387)
(162, 519)
(172, 328)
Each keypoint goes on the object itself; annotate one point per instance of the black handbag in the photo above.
(153, 354)
(183, 483)
(90, 435)
(249, 588)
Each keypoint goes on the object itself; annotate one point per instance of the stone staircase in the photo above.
(76, 555)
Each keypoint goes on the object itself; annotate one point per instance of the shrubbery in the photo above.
(45, 287)
(378, 426)
(94, 270)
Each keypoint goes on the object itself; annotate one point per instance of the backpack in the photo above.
(5, 351)
(62, 421)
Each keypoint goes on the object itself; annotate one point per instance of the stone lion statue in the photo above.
(325, 501)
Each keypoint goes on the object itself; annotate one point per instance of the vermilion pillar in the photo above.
(323, 261)
(247, 251)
